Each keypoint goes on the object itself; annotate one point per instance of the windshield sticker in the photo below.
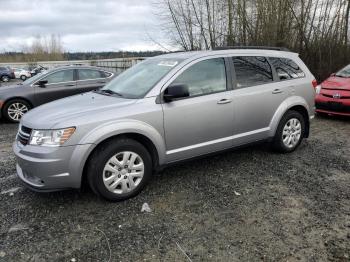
(168, 63)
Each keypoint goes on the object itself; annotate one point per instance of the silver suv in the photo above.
(166, 109)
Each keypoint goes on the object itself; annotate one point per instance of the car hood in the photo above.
(76, 110)
(335, 82)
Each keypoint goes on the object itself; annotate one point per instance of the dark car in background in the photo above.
(333, 94)
(57, 83)
(6, 74)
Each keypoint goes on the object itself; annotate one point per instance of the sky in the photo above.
(83, 25)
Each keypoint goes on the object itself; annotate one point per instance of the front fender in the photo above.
(110, 129)
(283, 108)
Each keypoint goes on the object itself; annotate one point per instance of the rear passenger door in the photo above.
(91, 79)
(257, 96)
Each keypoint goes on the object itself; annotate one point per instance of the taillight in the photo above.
(314, 83)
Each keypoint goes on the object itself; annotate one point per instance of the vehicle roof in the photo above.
(245, 51)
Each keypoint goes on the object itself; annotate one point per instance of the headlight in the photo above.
(318, 89)
(51, 138)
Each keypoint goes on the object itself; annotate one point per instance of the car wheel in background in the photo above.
(23, 77)
(119, 169)
(290, 132)
(15, 109)
(5, 78)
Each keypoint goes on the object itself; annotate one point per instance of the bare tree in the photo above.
(316, 29)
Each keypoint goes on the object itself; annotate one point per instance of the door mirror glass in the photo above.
(41, 83)
(176, 91)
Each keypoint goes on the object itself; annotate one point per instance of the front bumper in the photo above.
(49, 169)
(332, 106)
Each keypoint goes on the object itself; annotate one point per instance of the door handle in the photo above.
(277, 91)
(101, 82)
(70, 85)
(224, 101)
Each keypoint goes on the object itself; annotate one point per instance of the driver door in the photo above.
(60, 84)
(202, 122)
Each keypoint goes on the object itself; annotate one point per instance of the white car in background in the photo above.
(21, 73)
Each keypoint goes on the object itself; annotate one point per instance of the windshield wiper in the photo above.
(108, 91)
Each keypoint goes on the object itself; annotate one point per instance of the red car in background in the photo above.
(333, 95)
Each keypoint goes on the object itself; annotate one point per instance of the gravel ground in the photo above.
(246, 205)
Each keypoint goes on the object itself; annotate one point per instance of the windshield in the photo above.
(345, 72)
(137, 81)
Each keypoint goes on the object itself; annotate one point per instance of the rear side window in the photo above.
(85, 74)
(286, 69)
(205, 77)
(252, 71)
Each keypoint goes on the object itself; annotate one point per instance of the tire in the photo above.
(290, 132)
(122, 180)
(15, 109)
(23, 77)
(5, 78)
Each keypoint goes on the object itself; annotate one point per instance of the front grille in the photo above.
(331, 96)
(23, 135)
(333, 106)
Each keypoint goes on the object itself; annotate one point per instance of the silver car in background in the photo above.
(164, 110)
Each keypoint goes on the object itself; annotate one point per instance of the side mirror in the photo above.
(333, 74)
(41, 83)
(175, 91)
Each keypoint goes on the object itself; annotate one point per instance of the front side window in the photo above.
(60, 76)
(204, 77)
(286, 68)
(86, 74)
(252, 71)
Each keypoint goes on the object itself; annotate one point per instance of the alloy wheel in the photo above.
(17, 110)
(123, 172)
(291, 133)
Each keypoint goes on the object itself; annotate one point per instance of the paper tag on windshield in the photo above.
(168, 63)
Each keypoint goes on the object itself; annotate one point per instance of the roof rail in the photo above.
(252, 47)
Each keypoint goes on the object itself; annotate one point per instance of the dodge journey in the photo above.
(166, 109)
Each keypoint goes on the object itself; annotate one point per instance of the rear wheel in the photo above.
(15, 109)
(290, 132)
(23, 77)
(119, 169)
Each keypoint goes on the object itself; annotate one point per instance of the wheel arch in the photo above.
(295, 103)
(141, 138)
(303, 111)
(8, 100)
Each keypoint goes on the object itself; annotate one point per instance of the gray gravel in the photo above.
(246, 205)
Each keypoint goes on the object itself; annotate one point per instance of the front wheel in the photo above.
(15, 109)
(119, 169)
(23, 77)
(290, 132)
